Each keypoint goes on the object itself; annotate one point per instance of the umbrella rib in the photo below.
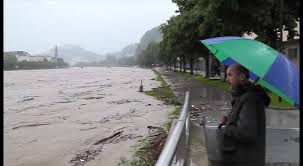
(257, 80)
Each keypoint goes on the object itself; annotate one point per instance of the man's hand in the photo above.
(222, 122)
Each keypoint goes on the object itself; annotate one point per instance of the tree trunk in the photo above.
(184, 64)
(225, 75)
(191, 63)
(180, 64)
(207, 66)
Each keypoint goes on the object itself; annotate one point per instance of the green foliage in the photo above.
(112, 60)
(163, 93)
(36, 65)
(275, 103)
(60, 63)
(201, 19)
(149, 150)
(128, 61)
(148, 56)
(9, 62)
(152, 36)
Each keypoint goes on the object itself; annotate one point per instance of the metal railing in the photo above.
(176, 148)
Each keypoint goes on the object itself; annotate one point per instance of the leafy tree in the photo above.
(9, 62)
(61, 63)
(148, 56)
(200, 19)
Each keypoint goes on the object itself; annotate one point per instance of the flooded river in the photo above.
(58, 117)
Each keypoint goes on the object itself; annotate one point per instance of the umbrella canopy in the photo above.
(267, 66)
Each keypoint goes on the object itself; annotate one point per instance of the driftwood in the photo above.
(120, 129)
(88, 128)
(154, 127)
(117, 134)
(31, 125)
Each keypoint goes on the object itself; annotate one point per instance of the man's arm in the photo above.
(247, 127)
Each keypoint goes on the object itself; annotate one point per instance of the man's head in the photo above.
(237, 75)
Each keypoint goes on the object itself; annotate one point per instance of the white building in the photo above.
(21, 55)
(24, 56)
(38, 58)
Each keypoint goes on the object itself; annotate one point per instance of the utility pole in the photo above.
(56, 56)
(209, 63)
(281, 15)
(281, 34)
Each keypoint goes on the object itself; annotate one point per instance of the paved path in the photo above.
(214, 102)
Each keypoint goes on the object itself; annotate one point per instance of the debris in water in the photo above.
(88, 128)
(81, 158)
(119, 102)
(89, 98)
(31, 125)
(26, 98)
(108, 138)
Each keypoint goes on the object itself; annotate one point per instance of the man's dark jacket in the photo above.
(244, 134)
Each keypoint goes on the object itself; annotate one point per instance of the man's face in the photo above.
(233, 78)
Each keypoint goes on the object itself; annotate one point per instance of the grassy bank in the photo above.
(150, 148)
(163, 93)
(220, 84)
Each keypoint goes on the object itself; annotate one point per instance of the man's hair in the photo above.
(241, 70)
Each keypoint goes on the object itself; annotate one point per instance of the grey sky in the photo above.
(97, 25)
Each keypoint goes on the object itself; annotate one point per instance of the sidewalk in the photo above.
(214, 102)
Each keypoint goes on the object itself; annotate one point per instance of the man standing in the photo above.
(244, 132)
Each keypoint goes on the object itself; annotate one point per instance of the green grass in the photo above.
(163, 93)
(276, 104)
(159, 78)
(149, 150)
(222, 85)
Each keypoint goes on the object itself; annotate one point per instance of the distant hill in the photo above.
(127, 51)
(73, 54)
(153, 35)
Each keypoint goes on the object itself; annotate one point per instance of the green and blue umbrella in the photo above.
(267, 66)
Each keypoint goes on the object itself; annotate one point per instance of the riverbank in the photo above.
(151, 147)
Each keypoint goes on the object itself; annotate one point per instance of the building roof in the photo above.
(20, 53)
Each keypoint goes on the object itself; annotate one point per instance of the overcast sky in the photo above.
(100, 26)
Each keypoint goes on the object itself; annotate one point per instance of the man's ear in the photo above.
(242, 77)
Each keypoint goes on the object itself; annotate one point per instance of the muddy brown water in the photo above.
(54, 117)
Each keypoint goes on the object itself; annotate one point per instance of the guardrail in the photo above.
(176, 148)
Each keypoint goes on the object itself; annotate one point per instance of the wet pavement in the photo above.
(281, 124)
(213, 102)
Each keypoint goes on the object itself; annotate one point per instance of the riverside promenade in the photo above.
(216, 103)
